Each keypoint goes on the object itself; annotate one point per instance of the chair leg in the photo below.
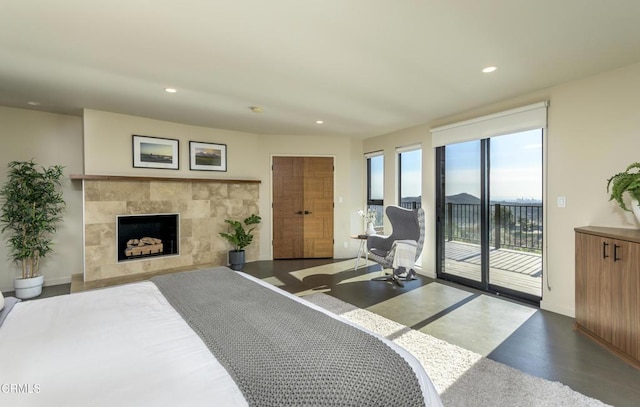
(389, 278)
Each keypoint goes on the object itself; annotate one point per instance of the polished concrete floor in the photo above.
(536, 342)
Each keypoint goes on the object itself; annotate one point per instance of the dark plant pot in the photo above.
(236, 259)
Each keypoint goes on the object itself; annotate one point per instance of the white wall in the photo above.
(49, 139)
(593, 132)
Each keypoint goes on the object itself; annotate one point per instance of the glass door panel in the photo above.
(462, 226)
(515, 237)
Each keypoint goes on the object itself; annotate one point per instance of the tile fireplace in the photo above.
(200, 206)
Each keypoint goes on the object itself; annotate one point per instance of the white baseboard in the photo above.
(558, 309)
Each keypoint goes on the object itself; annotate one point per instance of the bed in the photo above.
(206, 337)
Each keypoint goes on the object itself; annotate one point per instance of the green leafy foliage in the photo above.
(627, 181)
(239, 237)
(31, 209)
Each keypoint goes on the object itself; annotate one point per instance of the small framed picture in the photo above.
(207, 156)
(155, 152)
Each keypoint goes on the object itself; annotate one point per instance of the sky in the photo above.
(515, 171)
(411, 171)
(157, 149)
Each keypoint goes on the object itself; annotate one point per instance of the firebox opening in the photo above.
(143, 236)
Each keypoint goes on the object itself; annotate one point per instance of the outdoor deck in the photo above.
(517, 270)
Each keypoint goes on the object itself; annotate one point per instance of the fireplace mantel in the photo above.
(171, 179)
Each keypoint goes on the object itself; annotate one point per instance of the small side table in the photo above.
(361, 250)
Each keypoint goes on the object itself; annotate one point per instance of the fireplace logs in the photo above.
(145, 246)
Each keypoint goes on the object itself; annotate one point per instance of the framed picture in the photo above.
(207, 156)
(155, 152)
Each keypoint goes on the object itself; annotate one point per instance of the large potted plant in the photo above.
(31, 209)
(240, 238)
(627, 181)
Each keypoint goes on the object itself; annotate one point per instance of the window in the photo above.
(375, 185)
(410, 178)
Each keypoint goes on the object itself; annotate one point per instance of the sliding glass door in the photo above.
(490, 214)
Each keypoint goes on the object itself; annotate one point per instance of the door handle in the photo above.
(604, 250)
(615, 253)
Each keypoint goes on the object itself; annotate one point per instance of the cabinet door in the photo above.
(593, 309)
(625, 310)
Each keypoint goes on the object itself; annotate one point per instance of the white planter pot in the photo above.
(370, 230)
(635, 208)
(28, 287)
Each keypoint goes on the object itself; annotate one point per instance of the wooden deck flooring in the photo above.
(520, 271)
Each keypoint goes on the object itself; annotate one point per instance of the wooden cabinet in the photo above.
(608, 288)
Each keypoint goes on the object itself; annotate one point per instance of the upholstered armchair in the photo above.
(400, 250)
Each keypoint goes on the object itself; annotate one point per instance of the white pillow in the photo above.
(1, 301)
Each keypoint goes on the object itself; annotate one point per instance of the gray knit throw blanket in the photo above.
(283, 353)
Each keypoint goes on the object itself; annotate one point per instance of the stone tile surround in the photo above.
(203, 206)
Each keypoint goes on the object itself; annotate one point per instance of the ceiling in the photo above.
(364, 67)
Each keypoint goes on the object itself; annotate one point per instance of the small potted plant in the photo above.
(240, 238)
(31, 209)
(627, 181)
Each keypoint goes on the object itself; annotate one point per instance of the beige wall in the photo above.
(347, 185)
(108, 144)
(49, 139)
(388, 144)
(107, 139)
(593, 132)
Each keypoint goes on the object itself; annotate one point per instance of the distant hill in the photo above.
(462, 198)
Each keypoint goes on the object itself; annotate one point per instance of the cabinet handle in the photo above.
(615, 253)
(604, 250)
(307, 213)
(299, 213)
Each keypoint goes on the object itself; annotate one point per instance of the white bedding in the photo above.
(119, 346)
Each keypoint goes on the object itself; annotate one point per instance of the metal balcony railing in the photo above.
(512, 226)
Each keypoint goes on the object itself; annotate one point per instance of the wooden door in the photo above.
(288, 203)
(302, 207)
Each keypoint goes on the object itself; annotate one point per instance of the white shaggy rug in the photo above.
(462, 377)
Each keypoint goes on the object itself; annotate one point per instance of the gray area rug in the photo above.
(462, 377)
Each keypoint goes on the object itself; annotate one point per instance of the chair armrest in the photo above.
(379, 242)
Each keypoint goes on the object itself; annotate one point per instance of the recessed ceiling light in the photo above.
(33, 103)
(256, 109)
(489, 69)
(170, 90)
(319, 121)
